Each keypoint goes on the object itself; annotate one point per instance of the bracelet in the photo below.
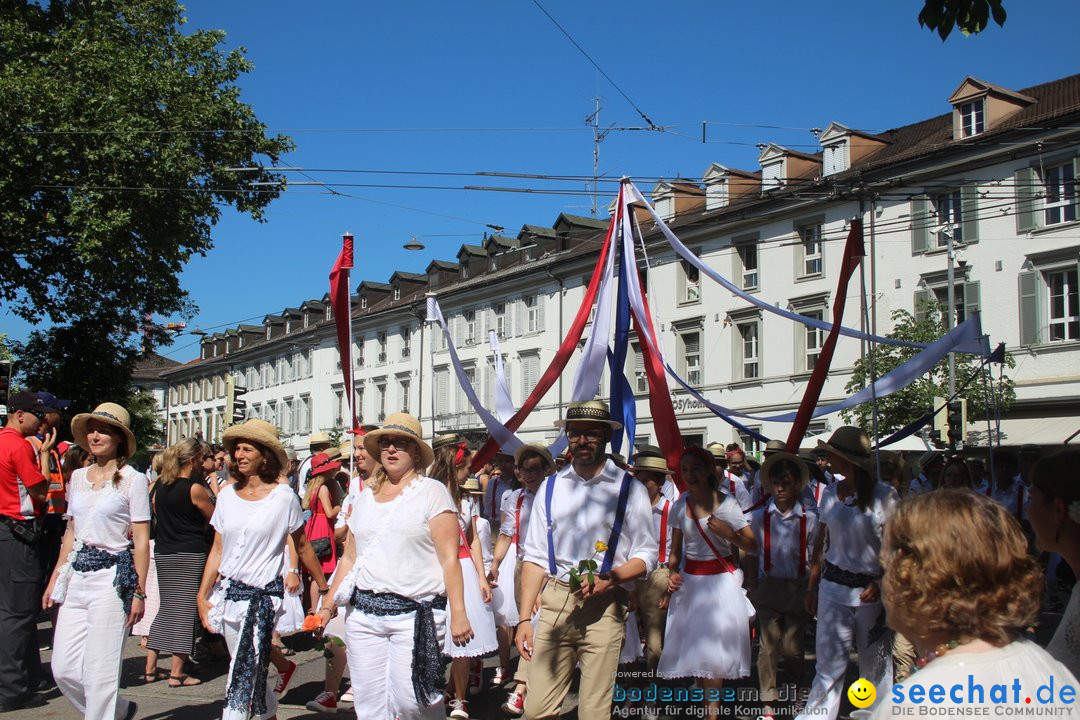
(140, 596)
(332, 610)
(324, 590)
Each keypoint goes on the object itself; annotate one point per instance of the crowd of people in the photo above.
(413, 570)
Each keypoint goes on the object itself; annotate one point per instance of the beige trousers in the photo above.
(573, 631)
(653, 617)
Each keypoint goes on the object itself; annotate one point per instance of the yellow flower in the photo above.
(601, 546)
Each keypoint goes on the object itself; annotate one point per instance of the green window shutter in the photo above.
(1030, 330)
(971, 298)
(920, 224)
(922, 297)
(1024, 181)
(969, 212)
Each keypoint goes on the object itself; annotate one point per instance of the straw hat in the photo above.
(320, 438)
(652, 464)
(851, 443)
(322, 463)
(535, 448)
(446, 439)
(472, 486)
(717, 450)
(405, 425)
(333, 452)
(775, 446)
(108, 414)
(594, 411)
(259, 432)
(778, 456)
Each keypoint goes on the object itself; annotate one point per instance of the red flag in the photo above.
(566, 350)
(853, 254)
(339, 301)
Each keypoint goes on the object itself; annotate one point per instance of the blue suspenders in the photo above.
(616, 528)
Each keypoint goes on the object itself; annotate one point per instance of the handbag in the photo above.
(321, 545)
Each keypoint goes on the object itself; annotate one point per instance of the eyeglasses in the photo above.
(39, 415)
(592, 434)
(527, 470)
(399, 443)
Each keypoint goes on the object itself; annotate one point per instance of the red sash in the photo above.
(722, 563)
(464, 551)
(802, 543)
(817, 492)
(663, 530)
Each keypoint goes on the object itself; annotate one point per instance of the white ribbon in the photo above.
(504, 406)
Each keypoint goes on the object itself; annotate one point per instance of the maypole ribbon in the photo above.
(504, 406)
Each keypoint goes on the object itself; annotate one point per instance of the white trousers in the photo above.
(839, 625)
(380, 663)
(89, 645)
(231, 625)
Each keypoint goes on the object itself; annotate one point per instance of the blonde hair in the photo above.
(175, 457)
(378, 475)
(936, 576)
(315, 482)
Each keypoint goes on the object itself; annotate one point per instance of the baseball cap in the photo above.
(27, 401)
(52, 402)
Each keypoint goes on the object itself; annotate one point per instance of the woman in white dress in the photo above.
(844, 589)
(708, 623)
(451, 467)
(1054, 514)
(399, 572)
(242, 588)
(98, 580)
(960, 583)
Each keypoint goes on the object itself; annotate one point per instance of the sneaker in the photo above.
(283, 679)
(324, 702)
(459, 709)
(347, 696)
(501, 676)
(476, 677)
(515, 704)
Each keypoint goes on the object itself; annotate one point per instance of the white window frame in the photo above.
(811, 250)
(691, 367)
(747, 337)
(972, 118)
(1067, 320)
(1059, 201)
(749, 278)
(689, 282)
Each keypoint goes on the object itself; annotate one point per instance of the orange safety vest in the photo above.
(56, 497)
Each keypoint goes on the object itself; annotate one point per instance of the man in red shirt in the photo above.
(22, 498)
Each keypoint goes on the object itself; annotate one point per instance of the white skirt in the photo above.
(481, 618)
(153, 599)
(708, 630)
(503, 604)
(631, 649)
(291, 619)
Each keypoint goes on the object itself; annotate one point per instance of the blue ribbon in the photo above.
(623, 407)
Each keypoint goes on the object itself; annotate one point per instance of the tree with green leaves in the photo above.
(117, 133)
(909, 404)
(88, 368)
(969, 16)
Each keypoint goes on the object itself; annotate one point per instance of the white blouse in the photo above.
(510, 517)
(103, 517)
(394, 549)
(694, 546)
(253, 533)
(854, 541)
(1065, 645)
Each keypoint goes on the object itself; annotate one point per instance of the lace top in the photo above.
(103, 517)
(1065, 645)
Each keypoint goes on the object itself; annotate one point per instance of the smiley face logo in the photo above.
(862, 693)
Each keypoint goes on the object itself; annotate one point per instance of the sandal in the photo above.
(178, 681)
(284, 650)
(153, 677)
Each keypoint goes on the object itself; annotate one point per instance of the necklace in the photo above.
(936, 652)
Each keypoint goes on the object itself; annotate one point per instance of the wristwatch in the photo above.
(295, 570)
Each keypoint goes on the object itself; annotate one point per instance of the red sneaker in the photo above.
(284, 678)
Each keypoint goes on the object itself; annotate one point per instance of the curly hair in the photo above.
(942, 581)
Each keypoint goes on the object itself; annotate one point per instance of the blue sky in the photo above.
(495, 86)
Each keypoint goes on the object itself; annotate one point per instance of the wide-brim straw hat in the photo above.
(851, 443)
(258, 432)
(320, 438)
(652, 464)
(594, 411)
(775, 446)
(108, 414)
(777, 456)
(405, 425)
(717, 450)
(446, 439)
(536, 449)
(472, 486)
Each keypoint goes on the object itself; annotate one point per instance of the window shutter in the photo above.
(969, 212)
(1076, 184)
(540, 302)
(922, 297)
(920, 224)
(488, 323)
(1029, 307)
(1024, 182)
(520, 321)
(971, 298)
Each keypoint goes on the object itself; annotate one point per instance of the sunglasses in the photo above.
(399, 443)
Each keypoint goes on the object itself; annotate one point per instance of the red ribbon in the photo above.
(339, 301)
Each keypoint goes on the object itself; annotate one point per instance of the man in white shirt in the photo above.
(589, 511)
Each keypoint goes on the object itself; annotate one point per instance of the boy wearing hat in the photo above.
(653, 472)
(777, 576)
(589, 510)
(667, 486)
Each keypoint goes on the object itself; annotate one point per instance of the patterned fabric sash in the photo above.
(246, 690)
(92, 559)
(840, 576)
(427, 660)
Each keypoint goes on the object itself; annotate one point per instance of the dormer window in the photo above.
(329, 312)
(363, 302)
(397, 292)
(267, 332)
(772, 175)
(972, 118)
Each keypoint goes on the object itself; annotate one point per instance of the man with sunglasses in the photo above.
(22, 497)
(594, 512)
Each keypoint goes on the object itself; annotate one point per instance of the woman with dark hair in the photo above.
(708, 622)
(182, 508)
(1054, 514)
(451, 468)
(242, 588)
(399, 572)
(844, 590)
(966, 606)
(956, 474)
(100, 584)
